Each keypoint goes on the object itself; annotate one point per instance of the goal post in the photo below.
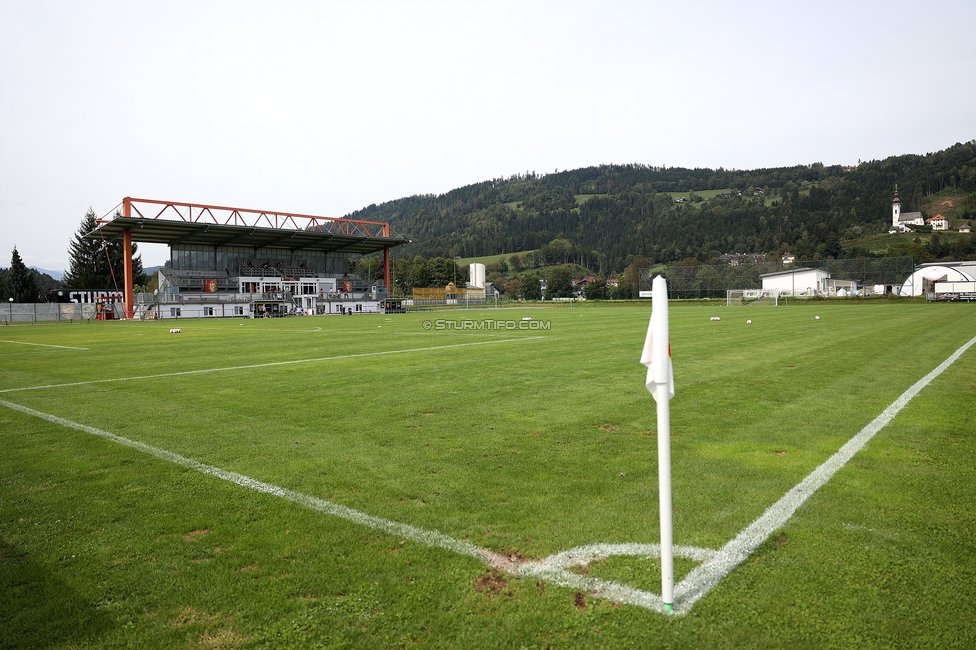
(740, 297)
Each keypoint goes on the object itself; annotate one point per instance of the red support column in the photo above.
(386, 261)
(127, 255)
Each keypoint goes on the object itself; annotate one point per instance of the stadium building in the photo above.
(239, 262)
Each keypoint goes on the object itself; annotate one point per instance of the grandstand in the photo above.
(241, 262)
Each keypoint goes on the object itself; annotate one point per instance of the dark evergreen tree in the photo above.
(23, 287)
(93, 261)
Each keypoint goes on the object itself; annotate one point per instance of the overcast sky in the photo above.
(325, 107)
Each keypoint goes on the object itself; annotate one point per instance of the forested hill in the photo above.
(613, 212)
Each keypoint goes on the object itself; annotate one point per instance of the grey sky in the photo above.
(326, 107)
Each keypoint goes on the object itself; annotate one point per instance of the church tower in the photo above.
(895, 209)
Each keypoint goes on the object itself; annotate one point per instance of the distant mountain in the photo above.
(149, 270)
(669, 214)
(57, 275)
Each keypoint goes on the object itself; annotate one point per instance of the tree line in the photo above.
(94, 265)
(615, 212)
(602, 218)
(19, 283)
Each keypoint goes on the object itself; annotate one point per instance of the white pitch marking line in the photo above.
(433, 538)
(582, 555)
(253, 330)
(708, 574)
(269, 364)
(45, 345)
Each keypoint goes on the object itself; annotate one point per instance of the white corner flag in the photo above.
(657, 345)
(660, 382)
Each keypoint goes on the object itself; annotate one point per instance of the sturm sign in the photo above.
(85, 297)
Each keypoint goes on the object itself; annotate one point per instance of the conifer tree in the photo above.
(89, 266)
(23, 287)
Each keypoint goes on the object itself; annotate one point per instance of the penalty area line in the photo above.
(44, 345)
(708, 574)
(268, 364)
(552, 569)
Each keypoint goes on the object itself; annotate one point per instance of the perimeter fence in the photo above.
(714, 281)
(31, 312)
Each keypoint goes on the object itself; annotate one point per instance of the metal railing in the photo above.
(29, 312)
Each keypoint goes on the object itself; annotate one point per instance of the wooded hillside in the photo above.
(615, 212)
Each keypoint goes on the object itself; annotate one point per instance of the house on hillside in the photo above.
(900, 222)
(581, 284)
(938, 222)
(788, 258)
(738, 259)
(965, 228)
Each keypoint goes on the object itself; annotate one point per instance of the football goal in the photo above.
(738, 297)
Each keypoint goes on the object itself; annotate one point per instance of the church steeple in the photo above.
(895, 209)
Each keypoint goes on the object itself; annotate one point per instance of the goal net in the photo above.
(738, 297)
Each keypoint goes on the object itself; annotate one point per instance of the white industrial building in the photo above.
(796, 282)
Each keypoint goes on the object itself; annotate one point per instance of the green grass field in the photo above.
(524, 443)
(491, 259)
(705, 194)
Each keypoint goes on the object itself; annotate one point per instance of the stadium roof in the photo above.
(171, 223)
(788, 271)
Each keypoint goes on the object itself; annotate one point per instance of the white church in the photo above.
(900, 222)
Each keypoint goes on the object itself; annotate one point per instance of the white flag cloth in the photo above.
(657, 345)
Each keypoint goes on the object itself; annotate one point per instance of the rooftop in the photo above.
(172, 223)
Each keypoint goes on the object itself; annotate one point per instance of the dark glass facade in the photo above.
(231, 259)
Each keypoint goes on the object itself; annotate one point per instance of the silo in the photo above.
(476, 276)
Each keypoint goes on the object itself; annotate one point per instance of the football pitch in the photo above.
(471, 479)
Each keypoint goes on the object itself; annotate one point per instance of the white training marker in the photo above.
(175, 330)
(816, 318)
(714, 318)
(749, 322)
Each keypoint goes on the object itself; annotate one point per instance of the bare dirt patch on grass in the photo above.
(190, 616)
(221, 639)
(948, 203)
(491, 583)
(194, 535)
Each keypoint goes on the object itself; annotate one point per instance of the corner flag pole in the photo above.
(660, 383)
